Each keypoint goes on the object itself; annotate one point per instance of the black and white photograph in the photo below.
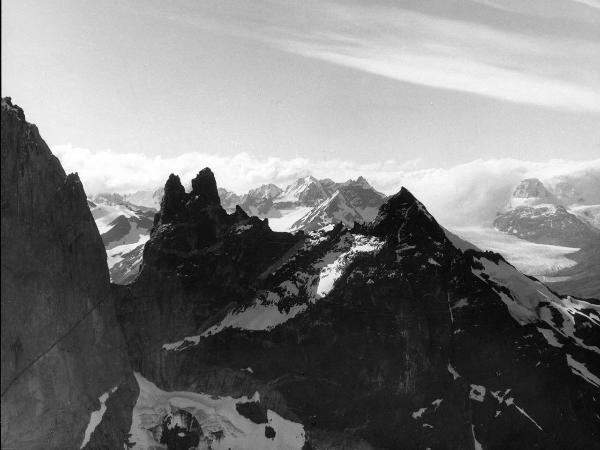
(300, 224)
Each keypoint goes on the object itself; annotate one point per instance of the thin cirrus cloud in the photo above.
(455, 55)
(548, 70)
(467, 193)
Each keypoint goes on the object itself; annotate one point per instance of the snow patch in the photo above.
(453, 372)
(461, 303)
(581, 370)
(116, 254)
(332, 265)
(477, 393)
(96, 417)
(418, 413)
(476, 444)
(288, 218)
(550, 337)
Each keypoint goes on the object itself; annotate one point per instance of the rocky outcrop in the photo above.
(62, 349)
(383, 336)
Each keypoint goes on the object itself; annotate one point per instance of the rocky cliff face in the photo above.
(63, 355)
(384, 336)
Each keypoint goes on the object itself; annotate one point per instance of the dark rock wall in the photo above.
(56, 298)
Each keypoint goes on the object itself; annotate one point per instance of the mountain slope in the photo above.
(335, 209)
(63, 355)
(383, 336)
(124, 228)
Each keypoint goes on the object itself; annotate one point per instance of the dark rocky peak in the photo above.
(239, 214)
(403, 216)
(204, 189)
(532, 188)
(172, 206)
(15, 109)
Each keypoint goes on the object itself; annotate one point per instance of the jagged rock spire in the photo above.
(172, 205)
(204, 188)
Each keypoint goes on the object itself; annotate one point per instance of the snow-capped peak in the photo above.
(266, 191)
(530, 192)
(307, 190)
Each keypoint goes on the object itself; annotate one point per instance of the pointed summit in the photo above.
(204, 189)
(530, 192)
(531, 188)
(172, 205)
(403, 215)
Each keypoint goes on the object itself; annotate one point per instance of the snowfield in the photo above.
(105, 213)
(221, 425)
(116, 254)
(288, 218)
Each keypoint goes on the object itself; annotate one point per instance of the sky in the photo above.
(127, 92)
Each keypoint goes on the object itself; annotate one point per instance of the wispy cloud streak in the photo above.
(424, 49)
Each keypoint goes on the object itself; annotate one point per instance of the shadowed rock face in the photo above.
(56, 300)
(415, 344)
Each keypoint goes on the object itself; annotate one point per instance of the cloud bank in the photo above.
(465, 194)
